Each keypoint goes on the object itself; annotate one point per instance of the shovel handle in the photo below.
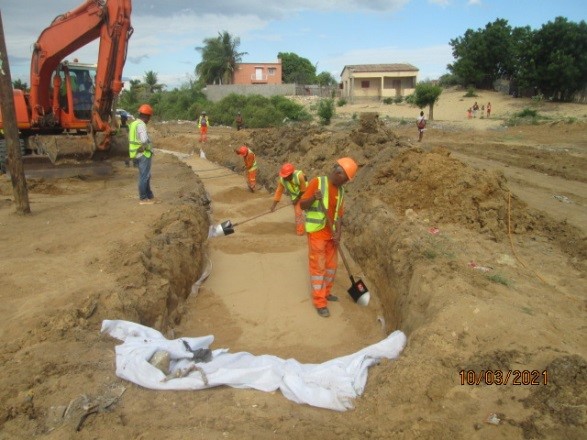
(257, 216)
(342, 255)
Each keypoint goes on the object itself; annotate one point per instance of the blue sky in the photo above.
(329, 33)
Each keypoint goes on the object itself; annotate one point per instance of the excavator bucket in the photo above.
(73, 155)
(62, 148)
(80, 148)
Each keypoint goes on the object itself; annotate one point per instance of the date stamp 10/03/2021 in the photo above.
(503, 377)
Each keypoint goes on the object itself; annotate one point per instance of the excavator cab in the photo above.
(78, 78)
(68, 135)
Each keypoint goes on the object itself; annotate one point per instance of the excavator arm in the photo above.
(108, 20)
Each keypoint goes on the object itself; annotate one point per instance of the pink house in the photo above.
(258, 73)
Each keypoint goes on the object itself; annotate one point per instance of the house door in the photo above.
(397, 85)
(259, 73)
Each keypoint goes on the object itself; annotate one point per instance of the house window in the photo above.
(271, 71)
(364, 84)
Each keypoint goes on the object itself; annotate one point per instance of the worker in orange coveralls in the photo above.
(203, 124)
(293, 182)
(250, 165)
(325, 197)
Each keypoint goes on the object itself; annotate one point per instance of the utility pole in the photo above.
(19, 187)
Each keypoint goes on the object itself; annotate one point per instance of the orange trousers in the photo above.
(300, 220)
(204, 133)
(252, 179)
(323, 262)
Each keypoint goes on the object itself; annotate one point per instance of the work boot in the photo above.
(332, 298)
(323, 312)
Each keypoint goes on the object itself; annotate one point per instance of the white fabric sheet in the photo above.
(332, 385)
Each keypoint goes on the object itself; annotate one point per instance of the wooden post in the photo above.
(19, 187)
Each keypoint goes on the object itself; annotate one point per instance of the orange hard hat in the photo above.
(349, 166)
(286, 170)
(146, 109)
(243, 150)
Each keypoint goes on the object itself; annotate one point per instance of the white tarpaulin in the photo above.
(333, 384)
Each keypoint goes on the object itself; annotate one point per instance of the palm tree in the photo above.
(152, 83)
(219, 59)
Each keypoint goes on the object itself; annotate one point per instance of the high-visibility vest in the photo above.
(254, 166)
(292, 186)
(316, 215)
(133, 140)
(203, 120)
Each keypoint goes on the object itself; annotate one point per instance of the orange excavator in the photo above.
(69, 111)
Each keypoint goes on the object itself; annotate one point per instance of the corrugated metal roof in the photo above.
(380, 68)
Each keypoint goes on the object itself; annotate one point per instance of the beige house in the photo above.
(378, 81)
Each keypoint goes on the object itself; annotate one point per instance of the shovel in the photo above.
(358, 290)
(227, 227)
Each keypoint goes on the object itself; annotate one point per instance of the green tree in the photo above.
(130, 97)
(484, 55)
(295, 69)
(220, 57)
(555, 60)
(151, 82)
(325, 79)
(18, 84)
(426, 95)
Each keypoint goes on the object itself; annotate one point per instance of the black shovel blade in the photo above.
(359, 292)
(227, 227)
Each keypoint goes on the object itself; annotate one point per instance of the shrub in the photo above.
(388, 101)
(326, 110)
(471, 92)
(398, 99)
(527, 113)
(341, 102)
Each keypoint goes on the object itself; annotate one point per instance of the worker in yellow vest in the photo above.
(203, 124)
(250, 165)
(293, 182)
(323, 202)
(141, 150)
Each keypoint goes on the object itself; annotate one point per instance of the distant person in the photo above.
(421, 124)
(475, 109)
(203, 124)
(323, 202)
(250, 165)
(488, 109)
(141, 149)
(239, 121)
(469, 113)
(293, 182)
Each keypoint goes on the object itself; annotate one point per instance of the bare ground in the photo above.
(472, 241)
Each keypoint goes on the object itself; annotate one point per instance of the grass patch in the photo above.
(499, 279)
(433, 247)
(527, 116)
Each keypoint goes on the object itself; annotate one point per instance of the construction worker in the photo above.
(293, 182)
(203, 123)
(250, 165)
(240, 122)
(141, 150)
(323, 202)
